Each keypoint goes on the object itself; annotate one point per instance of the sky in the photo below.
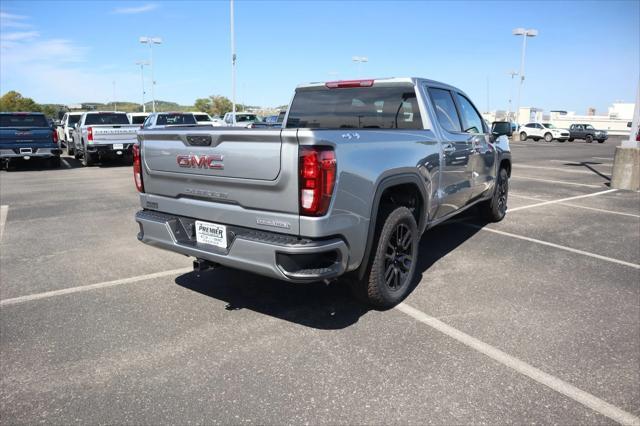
(587, 54)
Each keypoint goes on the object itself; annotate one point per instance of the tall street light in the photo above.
(142, 65)
(151, 41)
(233, 65)
(524, 33)
(360, 60)
(512, 74)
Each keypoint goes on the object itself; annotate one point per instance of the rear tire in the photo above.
(523, 136)
(588, 139)
(87, 159)
(69, 148)
(495, 209)
(548, 137)
(389, 277)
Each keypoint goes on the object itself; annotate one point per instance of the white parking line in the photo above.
(603, 158)
(546, 379)
(525, 166)
(558, 246)
(525, 197)
(577, 163)
(556, 181)
(3, 218)
(600, 210)
(47, 294)
(561, 200)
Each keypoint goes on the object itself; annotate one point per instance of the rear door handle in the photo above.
(449, 148)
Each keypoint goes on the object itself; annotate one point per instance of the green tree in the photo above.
(14, 101)
(204, 105)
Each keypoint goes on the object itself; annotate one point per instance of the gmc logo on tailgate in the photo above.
(201, 161)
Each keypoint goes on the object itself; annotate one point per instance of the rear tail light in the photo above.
(342, 84)
(137, 168)
(54, 135)
(317, 179)
(90, 134)
(638, 136)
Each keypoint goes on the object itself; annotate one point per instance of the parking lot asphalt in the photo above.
(532, 320)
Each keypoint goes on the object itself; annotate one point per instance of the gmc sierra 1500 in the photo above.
(358, 172)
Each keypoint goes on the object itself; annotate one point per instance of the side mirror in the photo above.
(500, 128)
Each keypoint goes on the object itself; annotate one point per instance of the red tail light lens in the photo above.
(137, 168)
(54, 135)
(317, 179)
(90, 134)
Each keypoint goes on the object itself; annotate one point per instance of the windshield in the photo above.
(106, 118)
(246, 117)
(73, 119)
(175, 119)
(202, 117)
(549, 125)
(23, 120)
(138, 119)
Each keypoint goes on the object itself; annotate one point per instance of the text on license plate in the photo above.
(211, 233)
(118, 146)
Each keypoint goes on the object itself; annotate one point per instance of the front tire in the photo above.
(548, 137)
(523, 136)
(69, 148)
(600, 140)
(588, 139)
(389, 278)
(495, 209)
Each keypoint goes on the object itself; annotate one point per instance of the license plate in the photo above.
(118, 146)
(211, 233)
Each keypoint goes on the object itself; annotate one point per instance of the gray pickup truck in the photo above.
(103, 135)
(359, 170)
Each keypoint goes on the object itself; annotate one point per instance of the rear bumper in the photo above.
(108, 149)
(279, 256)
(30, 152)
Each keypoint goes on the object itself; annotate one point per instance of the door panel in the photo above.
(455, 184)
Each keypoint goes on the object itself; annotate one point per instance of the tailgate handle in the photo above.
(199, 140)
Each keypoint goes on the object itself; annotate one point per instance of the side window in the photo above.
(531, 126)
(470, 117)
(147, 121)
(445, 109)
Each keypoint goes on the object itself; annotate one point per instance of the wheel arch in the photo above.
(407, 184)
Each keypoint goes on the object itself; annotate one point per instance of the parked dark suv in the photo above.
(587, 132)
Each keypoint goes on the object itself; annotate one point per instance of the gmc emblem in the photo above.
(201, 161)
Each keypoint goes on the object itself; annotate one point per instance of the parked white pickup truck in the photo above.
(65, 130)
(102, 135)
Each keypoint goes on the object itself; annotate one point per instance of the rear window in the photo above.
(138, 119)
(73, 119)
(246, 117)
(356, 108)
(175, 119)
(106, 118)
(23, 120)
(202, 117)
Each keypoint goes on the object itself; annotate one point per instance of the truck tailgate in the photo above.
(222, 172)
(110, 134)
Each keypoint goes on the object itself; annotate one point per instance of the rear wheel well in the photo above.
(406, 195)
(505, 164)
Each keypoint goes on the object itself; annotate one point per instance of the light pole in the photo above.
(360, 60)
(512, 74)
(524, 33)
(142, 64)
(114, 95)
(233, 66)
(151, 41)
